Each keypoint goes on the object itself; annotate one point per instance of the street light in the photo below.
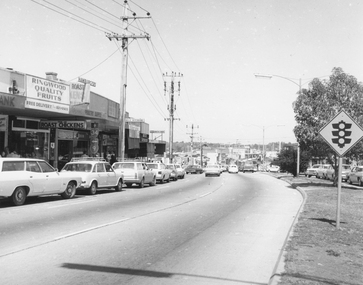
(269, 76)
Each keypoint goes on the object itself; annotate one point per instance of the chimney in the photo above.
(51, 76)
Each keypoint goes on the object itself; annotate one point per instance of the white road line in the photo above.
(71, 204)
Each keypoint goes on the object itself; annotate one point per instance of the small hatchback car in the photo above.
(24, 177)
(96, 173)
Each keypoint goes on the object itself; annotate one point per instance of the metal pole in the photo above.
(339, 191)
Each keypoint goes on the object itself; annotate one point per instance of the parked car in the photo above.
(180, 170)
(24, 177)
(193, 169)
(274, 168)
(321, 172)
(330, 173)
(212, 170)
(174, 172)
(162, 173)
(135, 172)
(232, 168)
(356, 175)
(96, 174)
(313, 170)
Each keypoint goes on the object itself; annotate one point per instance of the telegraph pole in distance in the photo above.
(124, 37)
(192, 136)
(171, 109)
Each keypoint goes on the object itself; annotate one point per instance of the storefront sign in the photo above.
(79, 93)
(144, 138)
(63, 124)
(7, 101)
(157, 132)
(47, 95)
(86, 81)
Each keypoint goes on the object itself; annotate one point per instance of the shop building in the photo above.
(56, 120)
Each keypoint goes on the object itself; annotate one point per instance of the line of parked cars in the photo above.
(326, 171)
(25, 177)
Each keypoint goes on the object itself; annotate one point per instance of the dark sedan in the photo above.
(193, 169)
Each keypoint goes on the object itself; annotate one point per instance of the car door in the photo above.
(53, 181)
(101, 174)
(36, 177)
(112, 177)
(149, 174)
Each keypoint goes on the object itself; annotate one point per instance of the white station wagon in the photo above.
(24, 177)
(96, 173)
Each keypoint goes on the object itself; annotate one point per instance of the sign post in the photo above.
(341, 133)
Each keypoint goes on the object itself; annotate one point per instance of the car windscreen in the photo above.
(78, 167)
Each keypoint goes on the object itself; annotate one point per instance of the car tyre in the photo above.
(19, 196)
(118, 187)
(142, 183)
(93, 189)
(153, 182)
(70, 191)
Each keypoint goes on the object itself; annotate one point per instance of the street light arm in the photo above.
(269, 76)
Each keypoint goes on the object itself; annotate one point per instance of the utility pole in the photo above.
(192, 136)
(124, 38)
(171, 109)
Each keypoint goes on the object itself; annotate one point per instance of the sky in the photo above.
(217, 45)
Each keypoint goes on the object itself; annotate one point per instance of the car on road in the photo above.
(321, 172)
(180, 170)
(174, 171)
(232, 168)
(193, 169)
(313, 170)
(24, 177)
(274, 168)
(356, 175)
(330, 173)
(162, 173)
(135, 172)
(96, 174)
(248, 166)
(212, 170)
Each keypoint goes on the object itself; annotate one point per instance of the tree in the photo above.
(287, 159)
(318, 104)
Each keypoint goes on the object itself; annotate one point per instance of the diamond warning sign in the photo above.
(342, 133)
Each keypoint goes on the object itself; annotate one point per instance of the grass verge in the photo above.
(317, 252)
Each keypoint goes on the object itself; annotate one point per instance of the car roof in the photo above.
(20, 159)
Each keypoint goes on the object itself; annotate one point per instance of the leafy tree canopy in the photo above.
(319, 103)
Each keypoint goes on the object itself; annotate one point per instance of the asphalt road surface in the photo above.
(198, 230)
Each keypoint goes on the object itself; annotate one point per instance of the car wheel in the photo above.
(153, 182)
(309, 176)
(19, 196)
(70, 191)
(93, 189)
(118, 187)
(141, 184)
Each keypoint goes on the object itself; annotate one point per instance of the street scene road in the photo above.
(200, 230)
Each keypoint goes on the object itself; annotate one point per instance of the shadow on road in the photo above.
(147, 273)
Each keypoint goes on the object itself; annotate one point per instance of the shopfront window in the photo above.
(29, 144)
